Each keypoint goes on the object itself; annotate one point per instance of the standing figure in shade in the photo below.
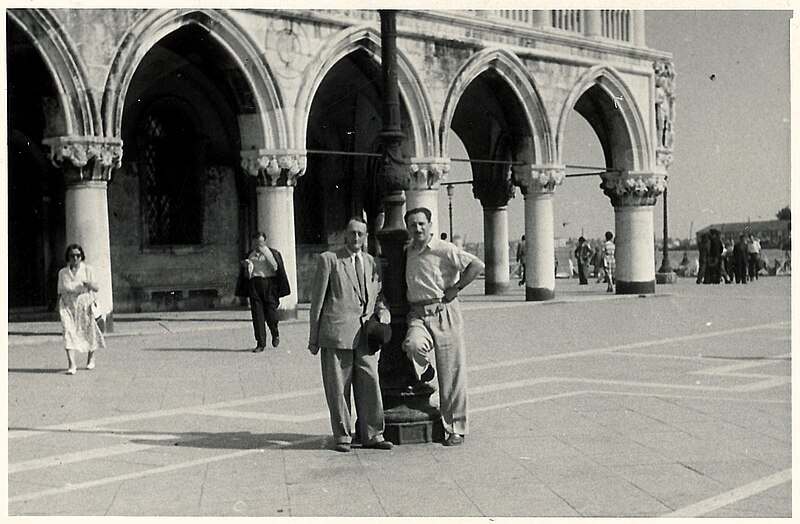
(703, 249)
(609, 261)
(521, 260)
(583, 254)
(753, 257)
(345, 293)
(740, 260)
(714, 261)
(436, 272)
(77, 285)
(727, 261)
(267, 284)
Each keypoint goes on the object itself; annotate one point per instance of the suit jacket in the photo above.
(281, 280)
(338, 310)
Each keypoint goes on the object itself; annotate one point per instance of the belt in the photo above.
(428, 302)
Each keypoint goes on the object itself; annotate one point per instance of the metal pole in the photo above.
(665, 265)
(450, 188)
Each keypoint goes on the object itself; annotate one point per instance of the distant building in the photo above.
(773, 234)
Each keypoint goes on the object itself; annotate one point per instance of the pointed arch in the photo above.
(511, 69)
(412, 90)
(271, 131)
(58, 52)
(609, 81)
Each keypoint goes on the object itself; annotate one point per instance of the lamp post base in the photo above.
(666, 278)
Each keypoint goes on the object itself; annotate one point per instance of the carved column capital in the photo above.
(428, 173)
(633, 188)
(274, 167)
(537, 178)
(85, 158)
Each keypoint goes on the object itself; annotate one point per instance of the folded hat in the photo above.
(378, 334)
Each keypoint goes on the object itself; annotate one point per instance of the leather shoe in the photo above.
(276, 340)
(454, 439)
(258, 349)
(342, 447)
(427, 375)
(381, 444)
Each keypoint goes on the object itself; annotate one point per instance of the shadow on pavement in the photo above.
(36, 370)
(177, 319)
(34, 334)
(203, 350)
(239, 440)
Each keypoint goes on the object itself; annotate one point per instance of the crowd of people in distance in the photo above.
(729, 260)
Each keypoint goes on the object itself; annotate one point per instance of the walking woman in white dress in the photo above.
(77, 286)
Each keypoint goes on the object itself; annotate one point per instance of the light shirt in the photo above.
(264, 264)
(609, 249)
(754, 246)
(434, 268)
(70, 282)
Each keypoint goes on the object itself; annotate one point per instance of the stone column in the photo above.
(427, 174)
(541, 18)
(538, 183)
(494, 189)
(277, 173)
(87, 163)
(594, 23)
(633, 195)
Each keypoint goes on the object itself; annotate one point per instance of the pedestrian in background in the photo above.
(345, 294)
(727, 261)
(753, 257)
(583, 254)
(610, 261)
(740, 260)
(436, 272)
(77, 308)
(521, 260)
(267, 284)
(714, 261)
(703, 248)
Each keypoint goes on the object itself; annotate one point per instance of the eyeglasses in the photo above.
(74, 255)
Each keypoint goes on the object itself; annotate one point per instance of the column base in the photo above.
(666, 278)
(539, 294)
(495, 288)
(411, 419)
(635, 288)
(107, 325)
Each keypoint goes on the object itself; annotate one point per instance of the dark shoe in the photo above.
(342, 447)
(381, 444)
(427, 375)
(258, 349)
(454, 439)
(276, 340)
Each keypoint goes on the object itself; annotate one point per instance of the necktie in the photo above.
(360, 276)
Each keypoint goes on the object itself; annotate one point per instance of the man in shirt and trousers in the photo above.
(435, 273)
(266, 283)
(345, 294)
(583, 254)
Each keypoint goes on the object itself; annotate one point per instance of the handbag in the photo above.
(96, 313)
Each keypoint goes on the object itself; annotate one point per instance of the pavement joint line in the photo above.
(729, 497)
(80, 456)
(278, 417)
(30, 432)
(687, 397)
(612, 349)
(153, 471)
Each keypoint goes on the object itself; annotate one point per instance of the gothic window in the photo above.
(170, 177)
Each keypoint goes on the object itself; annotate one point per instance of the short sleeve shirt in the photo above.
(434, 268)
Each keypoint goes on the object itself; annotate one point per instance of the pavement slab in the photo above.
(591, 405)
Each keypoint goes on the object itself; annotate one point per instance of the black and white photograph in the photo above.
(395, 260)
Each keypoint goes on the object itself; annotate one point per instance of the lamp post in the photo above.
(665, 273)
(450, 189)
(407, 411)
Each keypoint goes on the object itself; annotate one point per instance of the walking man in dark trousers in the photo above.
(267, 284)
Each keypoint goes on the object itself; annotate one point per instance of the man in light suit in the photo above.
(345, 294)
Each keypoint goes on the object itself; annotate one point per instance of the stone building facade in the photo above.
(161, 139)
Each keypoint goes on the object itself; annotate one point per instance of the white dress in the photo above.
(81, 332)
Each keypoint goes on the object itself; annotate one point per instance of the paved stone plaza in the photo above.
(677, 404)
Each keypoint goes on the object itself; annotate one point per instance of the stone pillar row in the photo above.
(277, 172)
(633, 195)
(86, 163)
(538, 183)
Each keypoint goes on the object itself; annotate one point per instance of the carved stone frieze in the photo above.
(84, 158)
(533, 178)
(274, 167)
(633, 188)
(428, 173)
(665, 110)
